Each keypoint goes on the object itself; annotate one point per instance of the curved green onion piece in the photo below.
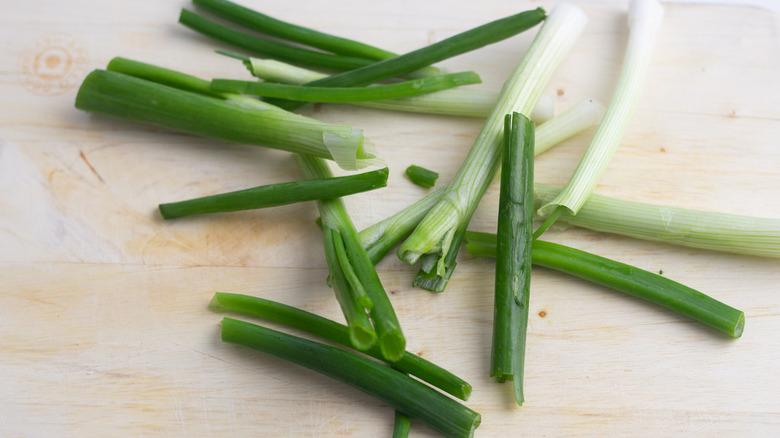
(401, 425)
(334, 216)
(644, 18)
(278, 194)
(421, 176)
(398, 390)
(339, 333)
(413, 87)
(624, 278)
(268, 48)
(521, 91)
(458, 44)
(678, 226)
(513, 266)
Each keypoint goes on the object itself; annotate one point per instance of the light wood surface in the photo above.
(104, 326)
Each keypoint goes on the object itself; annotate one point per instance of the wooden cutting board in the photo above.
(104, 326)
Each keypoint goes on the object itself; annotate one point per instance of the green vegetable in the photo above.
(268, 48)
(435, 234)
(401, 425)
(421, 176)
(278, 194)
(333, 331)
(335, 217)
(398, 390)
(458, 44)
(513, 264)
(347, 94)
(624, 278)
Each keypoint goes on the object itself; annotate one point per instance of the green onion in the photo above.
(174, 100)
(398, 390)
(334, 216)
(278, 194)
(644, 18)
(521, 91)
(271, 26)
(347, 94)
(268, 48)
(624, 278)
(679, 226)
(513, 263)
(401, 425)
(381, 237)
(333, 331)
(458, 44)
(421, 176)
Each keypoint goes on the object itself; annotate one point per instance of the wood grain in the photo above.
(104, 329)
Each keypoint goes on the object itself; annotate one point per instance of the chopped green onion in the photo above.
(334, 216)
(624, 278)
(513, 265)
(644, 18)
(421, 176)
(268, 48)
(347, 94)
(146, 93)
(398, 390)
(278, 194)
(333, 331)
(521, 91)
(401, 425)
(458, 44)
(679, 226)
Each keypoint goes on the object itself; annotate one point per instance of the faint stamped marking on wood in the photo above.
(52, 64)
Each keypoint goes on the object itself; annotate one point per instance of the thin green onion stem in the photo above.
(421, 176)
(278, 194)
(624, 278)
(339, 333)
(413, 87)
(395, 388)
(401, 425)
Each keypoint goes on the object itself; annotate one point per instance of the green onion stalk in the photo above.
(436, 234)
(146, 93)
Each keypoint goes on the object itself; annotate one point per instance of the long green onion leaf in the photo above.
(624, 278)
(278, 194)
(678, 226)
(521, 91)
(513, 263)
(458, 44)
(334, 216)
(644, 18)
(339, 333)
(268, 48)
(413, 87)
(395, 388)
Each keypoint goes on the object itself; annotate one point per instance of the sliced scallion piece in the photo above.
(644, 18)
(278, 194)
(624, 278)
(413, 87)
(421, 176)
(513, 265)
(395, 388)
(339, 333)
(436, 231)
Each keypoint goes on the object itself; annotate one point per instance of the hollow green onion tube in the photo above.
(413, 87)
(624, 278)
(398, 390)
(458, 44)
(278, 194)
(147, 93)
(513, 263)
(401, 425)
(421, 176)
(259, 22)
(263, 47)
(334, 216)
(339, 333)
(678, 226)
